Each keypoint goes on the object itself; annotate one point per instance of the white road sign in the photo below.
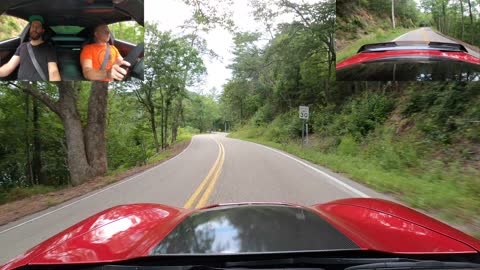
(303, 112)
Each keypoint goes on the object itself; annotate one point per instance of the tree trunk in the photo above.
(167, 108)
(154, 129)
(393, 13)
(80, 169)
(445, 30)
(147, 103)
(37, 147)
(144, 151)
(471, 18)
(463, 24)
(66, 108)
(95, 131)
(176, 119)
(162, 120)
(28, 153)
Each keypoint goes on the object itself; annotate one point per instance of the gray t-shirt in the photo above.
(44, 53)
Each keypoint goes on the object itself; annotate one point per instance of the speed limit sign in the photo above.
(303, 112)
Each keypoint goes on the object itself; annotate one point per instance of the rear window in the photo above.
(67, 29)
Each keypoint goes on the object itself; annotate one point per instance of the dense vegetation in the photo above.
(456, 18)
(294, 68)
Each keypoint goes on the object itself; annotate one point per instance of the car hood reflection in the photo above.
(259, 228)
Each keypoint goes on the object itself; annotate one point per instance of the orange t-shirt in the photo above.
(96, 53)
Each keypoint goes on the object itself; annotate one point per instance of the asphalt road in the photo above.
(426, 34)
(212, 169)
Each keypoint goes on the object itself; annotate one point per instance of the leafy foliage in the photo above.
(294, 68)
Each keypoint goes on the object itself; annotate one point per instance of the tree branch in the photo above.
(44, 98)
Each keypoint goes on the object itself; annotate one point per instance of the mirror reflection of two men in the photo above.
(37, 59)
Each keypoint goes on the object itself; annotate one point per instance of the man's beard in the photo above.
(35, 35)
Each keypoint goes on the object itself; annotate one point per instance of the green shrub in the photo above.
(348, 146)
(263, 115)
(360, 116)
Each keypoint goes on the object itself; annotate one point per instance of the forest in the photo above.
(459, 19)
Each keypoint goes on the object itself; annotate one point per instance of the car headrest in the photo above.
(48, 34)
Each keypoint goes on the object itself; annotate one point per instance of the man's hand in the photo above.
(9, 67)
(117, 72)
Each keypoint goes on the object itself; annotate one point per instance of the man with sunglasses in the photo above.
(101, 61)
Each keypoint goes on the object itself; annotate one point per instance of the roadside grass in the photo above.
(446, 191)
(18, 193)
(379, 36)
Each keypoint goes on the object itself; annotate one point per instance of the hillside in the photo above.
(361, 19)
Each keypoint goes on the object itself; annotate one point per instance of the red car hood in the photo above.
(131, 231)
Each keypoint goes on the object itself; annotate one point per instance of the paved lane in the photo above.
(426, 34)
(253, 172)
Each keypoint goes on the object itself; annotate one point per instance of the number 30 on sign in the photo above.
(303, 112)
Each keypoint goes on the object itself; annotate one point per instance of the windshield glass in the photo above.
(67, 29)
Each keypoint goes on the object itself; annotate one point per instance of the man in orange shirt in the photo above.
(92, 58)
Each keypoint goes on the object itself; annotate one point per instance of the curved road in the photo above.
(426, 34)
(212, 169)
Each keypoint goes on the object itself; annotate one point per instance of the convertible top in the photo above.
(85, 13)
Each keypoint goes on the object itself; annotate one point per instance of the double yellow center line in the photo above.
(209, 180)
(425, 36)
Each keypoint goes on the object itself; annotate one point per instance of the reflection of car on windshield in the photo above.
(343, 234)
(70, 27)
(410, 61)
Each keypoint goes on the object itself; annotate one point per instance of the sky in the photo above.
(170, 14)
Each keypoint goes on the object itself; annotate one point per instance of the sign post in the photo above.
(306, 129)
(304, 114)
